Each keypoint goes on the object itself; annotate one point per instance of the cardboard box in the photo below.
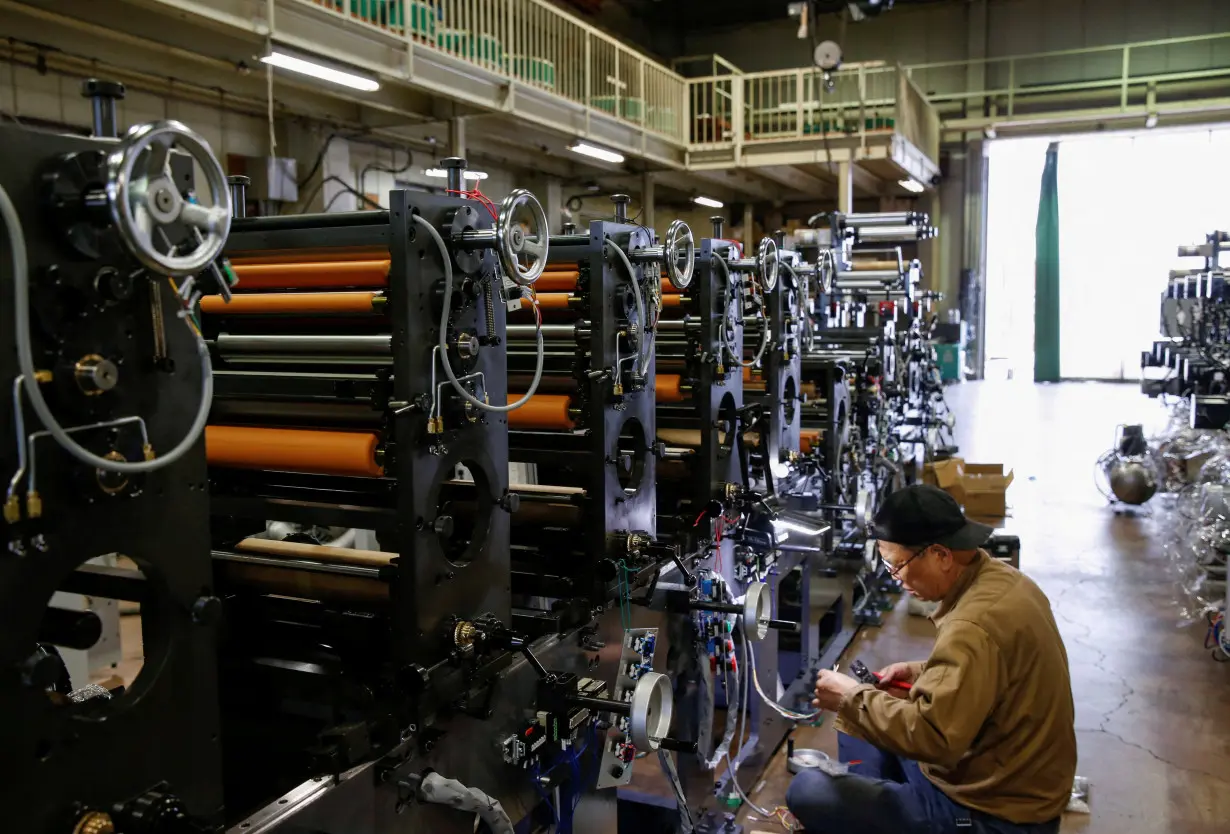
(985, 487)
(981, 488)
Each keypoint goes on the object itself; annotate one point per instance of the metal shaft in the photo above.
(327, 344)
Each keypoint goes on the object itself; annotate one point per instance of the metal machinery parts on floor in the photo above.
(111, 386)
(1194, 347)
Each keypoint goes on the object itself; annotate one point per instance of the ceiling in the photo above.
(712, 14)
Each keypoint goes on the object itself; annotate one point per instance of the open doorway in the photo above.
(1126, 203)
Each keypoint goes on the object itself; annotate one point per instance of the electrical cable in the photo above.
(645, 343)
(25, 362)
(732, 765)
(784, 712)
(447, 262)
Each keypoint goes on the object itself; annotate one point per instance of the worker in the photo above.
(983, 738)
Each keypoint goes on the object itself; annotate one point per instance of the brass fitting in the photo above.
(635, 542)
(34, 504)
(149, 451)
(95, 822)
(435, 425)
(464, 634)
(42, 376)
(730, 491)
(12, 509)
(618, 389)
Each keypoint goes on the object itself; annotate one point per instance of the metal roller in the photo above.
(884, 218)
(527, 332)
(294, 450)
(237, 572)
(380, 345)
(314, 275)
(295, 303)
(875, 266)
(298, 256)
(543, 412)
(865, 276)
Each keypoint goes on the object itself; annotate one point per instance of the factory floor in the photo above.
(1152, 707)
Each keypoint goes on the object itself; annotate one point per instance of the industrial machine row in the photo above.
(428, 513)
(1195, 336)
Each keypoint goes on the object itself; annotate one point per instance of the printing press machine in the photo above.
(431, 515)
(1195, 335)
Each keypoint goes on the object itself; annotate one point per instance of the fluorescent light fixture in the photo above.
(707, 201)
(784, 524)
(912, 185)
(586, 149)
(442, 174)
(1151, 121)
(321, 71)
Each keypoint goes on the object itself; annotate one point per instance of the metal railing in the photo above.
(1128, 73)
(746, 108)
(536, 44)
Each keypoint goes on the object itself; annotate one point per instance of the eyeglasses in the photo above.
(896, 571)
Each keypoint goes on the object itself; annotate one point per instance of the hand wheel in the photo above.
(151, 213)
(653, 703)
(766, 263)
(513, 242)
(680, 254)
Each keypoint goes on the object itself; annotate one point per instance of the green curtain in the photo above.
(1046, 273)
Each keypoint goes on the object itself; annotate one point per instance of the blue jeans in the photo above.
(886, 794)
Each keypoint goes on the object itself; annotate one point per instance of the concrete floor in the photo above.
(1152, 707)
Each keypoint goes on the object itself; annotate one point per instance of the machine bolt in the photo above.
(95, 374)
(510, 502)
(467, 345)
(621, 207)
(206, 610)
(443, 526)
(113, 285)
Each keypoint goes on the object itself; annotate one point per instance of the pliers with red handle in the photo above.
(860, 671)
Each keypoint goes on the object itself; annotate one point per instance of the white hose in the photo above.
(733, 765)
(436, 789)
(645, 343)
(25, 362)
(784, 712)
(726, 301)
(447, 262)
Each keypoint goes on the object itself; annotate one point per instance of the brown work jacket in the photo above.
(990, 717)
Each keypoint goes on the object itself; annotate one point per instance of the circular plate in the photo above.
(757, 611)
(652, 706)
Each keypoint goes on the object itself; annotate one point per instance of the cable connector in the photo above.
(34, 504)
(148, 451)
(43, 377)
(12, 509)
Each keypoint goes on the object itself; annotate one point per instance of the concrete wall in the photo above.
(955, 31)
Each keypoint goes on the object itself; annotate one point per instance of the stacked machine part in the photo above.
(1194, 347)
(107, 506)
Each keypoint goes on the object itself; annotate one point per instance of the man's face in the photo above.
(926, 572)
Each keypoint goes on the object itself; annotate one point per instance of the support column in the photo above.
(648, 215)
(749, 222)
(457, 137)
(845, 187)
(976, 49)
(553, 203)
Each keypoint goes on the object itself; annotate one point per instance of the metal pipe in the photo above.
(365, 345)
(238, 186)
(549, 331)
(884, 218)
(866, 275)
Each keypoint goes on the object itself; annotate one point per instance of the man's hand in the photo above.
(831, 687)
(902, 672)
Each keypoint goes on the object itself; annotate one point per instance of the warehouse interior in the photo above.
(548, 416)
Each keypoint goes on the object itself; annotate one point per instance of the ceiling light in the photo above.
(442, 174)
(707, 201)
(321, 71)
(1151, 121)
(912, 185)
(586, 149)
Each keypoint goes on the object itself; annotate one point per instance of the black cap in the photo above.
(923, 514)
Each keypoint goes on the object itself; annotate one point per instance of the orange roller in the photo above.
(563, 281)
(549, 301)
(293, 450)
(316, 274)
(543, 411)
(273, 303)
(669, 301)
(668, 288)
(748, 376)
(809, 439)
(668, 388)
(874, 266)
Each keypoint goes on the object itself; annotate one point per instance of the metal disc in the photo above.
(652, 707)
(757, 611)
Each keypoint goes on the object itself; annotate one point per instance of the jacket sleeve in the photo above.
(948, 704)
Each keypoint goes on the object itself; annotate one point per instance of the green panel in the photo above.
(1046, 273)
(948, 357)
(535, 70)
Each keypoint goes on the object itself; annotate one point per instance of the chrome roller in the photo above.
(147, 207)
(653, 705)
(864, 509)
(513, 243)
(766, 263)
(680, 254)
